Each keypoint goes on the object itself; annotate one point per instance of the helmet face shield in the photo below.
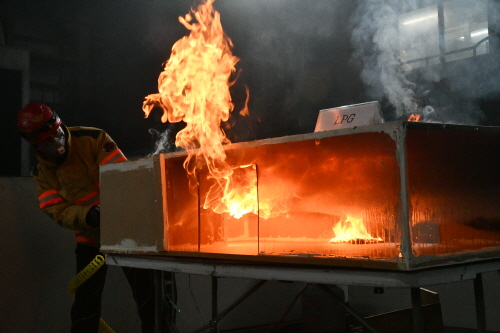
(53, 147)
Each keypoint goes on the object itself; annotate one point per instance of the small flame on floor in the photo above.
(352, 230)
(415, 117)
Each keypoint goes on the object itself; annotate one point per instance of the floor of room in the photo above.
(297, 328)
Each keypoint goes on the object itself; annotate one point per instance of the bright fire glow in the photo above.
(194, 88)
(414, 117)
(237, 195)
(352, 230)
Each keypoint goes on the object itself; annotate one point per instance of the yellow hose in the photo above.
(83, 276)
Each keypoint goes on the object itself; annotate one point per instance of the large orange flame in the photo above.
(194, 87)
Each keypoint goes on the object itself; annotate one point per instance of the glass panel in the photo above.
(454, 188)
(465, 24)
(337, 197)
(334, 197)
(419, 37)
(228, 232)
(182, 208)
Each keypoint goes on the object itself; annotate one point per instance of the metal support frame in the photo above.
(357, 316)
(215, 301)
(220, 316)
(480, 307)
(442, 42)
(165, 302)
(158, 301)
(323, 276)
(416, 306)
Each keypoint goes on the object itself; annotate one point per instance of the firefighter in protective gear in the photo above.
(68, 185)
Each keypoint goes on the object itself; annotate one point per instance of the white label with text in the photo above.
(348, 117)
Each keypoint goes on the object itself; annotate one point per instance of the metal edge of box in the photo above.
(388, 127)
(160, 176)
(403, 218)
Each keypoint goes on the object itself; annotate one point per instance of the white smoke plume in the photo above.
(376, 39)
(164, 141)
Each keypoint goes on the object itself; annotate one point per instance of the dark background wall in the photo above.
(95, 61)
(10, 97)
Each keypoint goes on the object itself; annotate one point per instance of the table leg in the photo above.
(214, 304)
(158, 277)
(418, 316)
(479, 299)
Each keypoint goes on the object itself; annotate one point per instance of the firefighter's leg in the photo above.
(143, 288)
(86, 309)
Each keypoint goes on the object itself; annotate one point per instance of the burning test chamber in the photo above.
(396, 195)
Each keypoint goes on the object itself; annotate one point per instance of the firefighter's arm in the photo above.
(108, 151)
(66, 214)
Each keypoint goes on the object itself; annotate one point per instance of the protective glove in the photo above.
(93, 218)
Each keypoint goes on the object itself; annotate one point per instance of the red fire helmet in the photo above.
(36, 122)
